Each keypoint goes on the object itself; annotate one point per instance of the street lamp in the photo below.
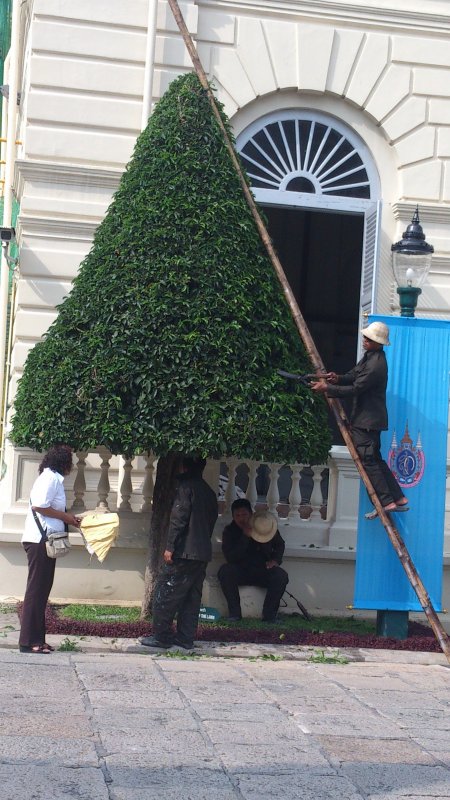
(411, 261)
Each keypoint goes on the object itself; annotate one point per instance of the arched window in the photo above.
(307, 153)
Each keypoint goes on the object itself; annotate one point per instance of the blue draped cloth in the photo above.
(415, 447)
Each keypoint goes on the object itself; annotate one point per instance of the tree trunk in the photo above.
(163, 495)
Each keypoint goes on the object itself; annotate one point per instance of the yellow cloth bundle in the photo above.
(99, 532)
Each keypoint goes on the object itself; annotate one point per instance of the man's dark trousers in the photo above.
(275, 580)
(367, 444)
(178, 591)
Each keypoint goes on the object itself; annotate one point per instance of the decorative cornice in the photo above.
(56, 228)
(428, 18)
(49, 172)
(427, 212)
(440, 265)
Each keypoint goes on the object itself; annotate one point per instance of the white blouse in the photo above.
(47, 490)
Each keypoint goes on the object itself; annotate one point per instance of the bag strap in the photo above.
(38, 523)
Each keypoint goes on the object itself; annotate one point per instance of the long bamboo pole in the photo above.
(335, 405)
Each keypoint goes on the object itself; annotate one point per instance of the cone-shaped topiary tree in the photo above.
(175, 326)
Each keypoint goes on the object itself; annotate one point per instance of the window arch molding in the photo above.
(303, 157)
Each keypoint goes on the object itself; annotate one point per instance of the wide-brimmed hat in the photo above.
(263, 526)
(377, 332)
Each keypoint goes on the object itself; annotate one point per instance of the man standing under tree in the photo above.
(188, 550)
(366, 385)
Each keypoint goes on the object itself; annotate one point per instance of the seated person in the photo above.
(253, 549)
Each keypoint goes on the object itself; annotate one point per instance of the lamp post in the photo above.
(411, 261)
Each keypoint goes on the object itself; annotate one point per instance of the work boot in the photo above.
(152, 641)
(184, 645)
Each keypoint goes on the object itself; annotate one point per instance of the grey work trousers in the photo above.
(178, 591)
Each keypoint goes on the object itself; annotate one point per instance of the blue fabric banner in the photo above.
(415, 448)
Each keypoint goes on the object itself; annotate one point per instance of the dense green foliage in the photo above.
(175, 326)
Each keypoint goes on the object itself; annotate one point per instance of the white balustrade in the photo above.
(79, 486)
(273, 495)
(295, 497)
(149, 484)
(333, 475)
(252, 494)
(103, 488)
(316, 501)
(126, 487)
(276, 476)
(230, 494)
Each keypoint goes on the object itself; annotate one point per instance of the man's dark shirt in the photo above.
(240, 549)
(366, 385)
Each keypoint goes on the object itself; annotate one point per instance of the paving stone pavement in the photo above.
(131, 726)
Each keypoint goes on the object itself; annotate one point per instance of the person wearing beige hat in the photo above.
(253, 549)
(366, 385)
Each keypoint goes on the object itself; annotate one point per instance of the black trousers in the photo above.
(231, 576)
(178, 591)
(41, 571)
(367, 444)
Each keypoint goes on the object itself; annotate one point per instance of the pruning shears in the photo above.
(304, 379)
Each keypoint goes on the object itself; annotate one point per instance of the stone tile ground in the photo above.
(116, 726)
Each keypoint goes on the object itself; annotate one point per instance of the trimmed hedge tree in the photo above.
(173, 332)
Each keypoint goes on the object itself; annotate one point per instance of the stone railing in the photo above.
(296, 493)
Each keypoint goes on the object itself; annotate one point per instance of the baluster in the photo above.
(252, 494)
(325, 489)
(149, 481)
(316, 494)
(230, 493)
(103, 484)
(332, 489)
(273, 495)
(79, 486)
(295, 497)
(126, 488)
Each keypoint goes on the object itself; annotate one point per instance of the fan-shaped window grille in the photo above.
(304, 155)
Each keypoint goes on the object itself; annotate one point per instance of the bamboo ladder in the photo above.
(335, 405)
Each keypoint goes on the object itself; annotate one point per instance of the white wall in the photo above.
(380, 67)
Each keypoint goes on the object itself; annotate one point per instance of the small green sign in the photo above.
(207, 614)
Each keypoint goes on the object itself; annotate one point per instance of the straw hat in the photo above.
(377, 332)
(263, 525)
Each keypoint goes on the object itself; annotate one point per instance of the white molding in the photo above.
(440, 265)
(427, 211)
(49, 172)
(373, 13)
(48, 228)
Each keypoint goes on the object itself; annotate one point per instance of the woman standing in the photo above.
(48, 500)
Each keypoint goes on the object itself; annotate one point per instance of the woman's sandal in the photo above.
(43, 649)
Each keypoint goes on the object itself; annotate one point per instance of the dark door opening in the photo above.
(321, 253)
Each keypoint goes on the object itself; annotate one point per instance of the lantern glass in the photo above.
(411, 269)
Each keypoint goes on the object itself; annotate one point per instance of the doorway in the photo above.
(321, 253)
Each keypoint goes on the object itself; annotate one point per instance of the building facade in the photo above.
(341, 112)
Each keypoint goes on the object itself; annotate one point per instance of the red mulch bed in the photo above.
(420, 639)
